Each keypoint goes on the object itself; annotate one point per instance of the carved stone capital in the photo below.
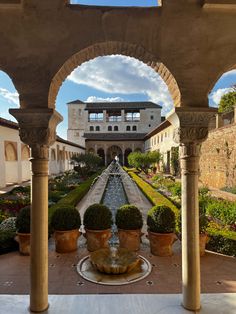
(191, 124)
(189, 158)
(37, 128)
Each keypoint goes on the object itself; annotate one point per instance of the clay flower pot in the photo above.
(66, 241)
(24, 243)
(97, 239)
(203, 239)
(161, 243)
(130, 239)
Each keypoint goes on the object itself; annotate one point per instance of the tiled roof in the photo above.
(117, 105)
(61, 140)
(158, 129)
(114, 136)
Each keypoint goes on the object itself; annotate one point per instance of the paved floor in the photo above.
(117, 304)
(217, 272)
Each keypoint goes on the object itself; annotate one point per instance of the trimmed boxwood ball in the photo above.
(161, 219)
(23, 220)
(97, 217)
(65, 217)
(129, 217)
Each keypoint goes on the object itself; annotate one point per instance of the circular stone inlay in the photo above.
(88, 272)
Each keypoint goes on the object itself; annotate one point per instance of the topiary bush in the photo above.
(161, 219)
(129, 217)
(175, 189)
(65, 217)
(23, 220)
(97, 217)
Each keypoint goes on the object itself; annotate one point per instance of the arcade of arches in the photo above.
(189, 62)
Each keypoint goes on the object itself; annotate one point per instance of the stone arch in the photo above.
(101, 153)
(25, 152)
(113, 151)
(10, 151)
(91, 150)
(127, 152)
(113, 48)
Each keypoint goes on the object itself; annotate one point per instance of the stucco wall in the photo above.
(218, 158)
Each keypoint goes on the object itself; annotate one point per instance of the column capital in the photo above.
(191, 123)
(37, 128)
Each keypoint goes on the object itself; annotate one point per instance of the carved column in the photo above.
(191, 129)
(37, 128)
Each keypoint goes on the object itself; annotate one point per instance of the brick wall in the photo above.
(218, 158)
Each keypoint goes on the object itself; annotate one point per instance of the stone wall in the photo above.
(218, 158)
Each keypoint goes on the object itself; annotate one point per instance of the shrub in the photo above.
(221, 241)
(175, 189)
(9, 224)
(7, 241)
(161, 219)
(65, 217)
(55, 196)
(97, 217)
(225, 211)
(23, 220)
(129, 217)
(203, 191)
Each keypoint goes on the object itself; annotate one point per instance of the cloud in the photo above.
(216, 95)
(100, 99)
(11, 97)
(123, 75)
(232, 72)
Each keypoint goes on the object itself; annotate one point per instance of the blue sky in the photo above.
(111, 78)
(143, 3)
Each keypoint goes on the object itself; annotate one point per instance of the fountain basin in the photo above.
(114, 261)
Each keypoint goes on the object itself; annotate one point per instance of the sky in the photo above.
(110, 78)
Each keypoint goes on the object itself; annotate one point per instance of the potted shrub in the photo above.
(66, 222)
(129, 222)
(23, 230)
(203, 224)
(161, 226)
(97, 223)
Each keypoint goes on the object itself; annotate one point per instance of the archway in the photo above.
(113, 48)
(101, 154)
(127, 152)
(112, 152)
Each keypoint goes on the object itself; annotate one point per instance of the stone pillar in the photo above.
(191, 129)
(219, 121)
(38, 130)
(19, 163)
(96, 148)
(2, 164)
(122, 115)
(105, 154)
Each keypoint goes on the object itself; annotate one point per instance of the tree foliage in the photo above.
(228, 101)
(144, 161)
(86, 164)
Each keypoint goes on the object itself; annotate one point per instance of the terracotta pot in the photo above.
(203, 239)
(130, 239)
(24, 243)
(97, 239)
(161, 243)
(66, 241)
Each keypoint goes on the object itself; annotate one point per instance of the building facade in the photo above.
(14, 155)
(112, 129)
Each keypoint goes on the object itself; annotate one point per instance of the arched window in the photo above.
(128, 128)
(116, 128)
(10, 151)
(109, 128)
(97, 128)
(134, 128)
(91, 128)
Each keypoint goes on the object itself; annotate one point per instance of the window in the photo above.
(80, 112)
(116, 128)
(128, 128)
(95, 116)
(132, 116)
(113, 116)
(152, 117)
(134, 128)
(109, 128)
(97, 128)
(149, 125)
(91, 128)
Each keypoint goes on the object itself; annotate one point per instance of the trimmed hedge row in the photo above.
(221, 241)
(153, 196)
(73, 197)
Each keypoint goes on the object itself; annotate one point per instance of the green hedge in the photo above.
(73, 197)
(221, 241)
(153, 196)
